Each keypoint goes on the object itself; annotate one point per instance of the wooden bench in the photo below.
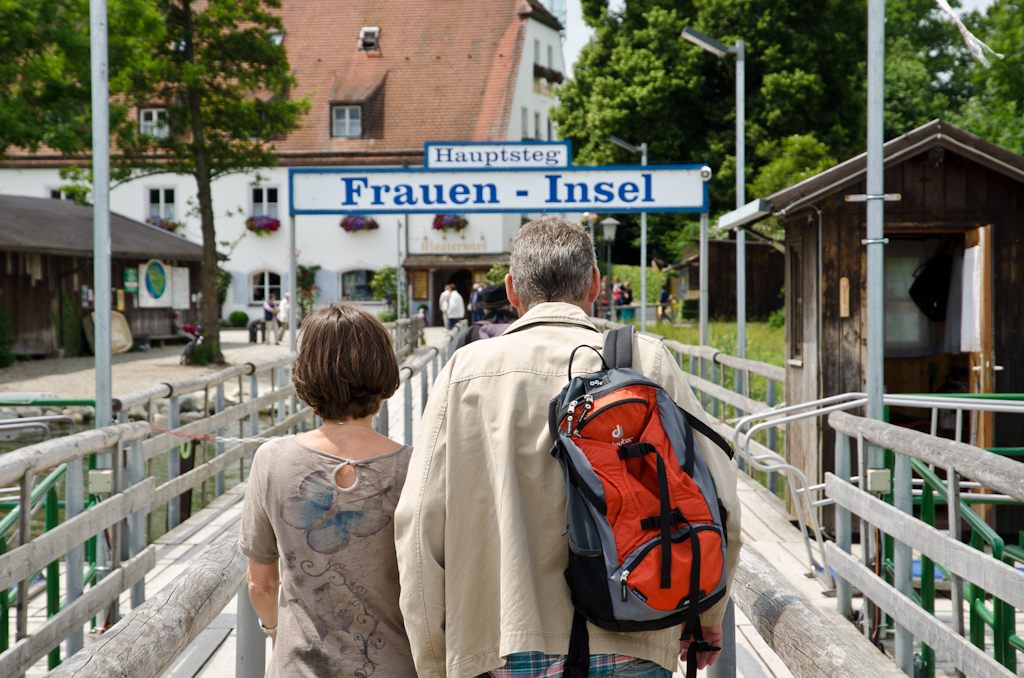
(158, 340)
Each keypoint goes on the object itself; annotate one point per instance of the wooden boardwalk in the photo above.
(766, 527)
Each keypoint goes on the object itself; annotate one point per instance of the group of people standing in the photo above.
(275, 317)
(447, 559)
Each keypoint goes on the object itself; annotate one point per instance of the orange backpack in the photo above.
(647, 541)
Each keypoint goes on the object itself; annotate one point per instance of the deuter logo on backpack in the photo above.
(643, 515)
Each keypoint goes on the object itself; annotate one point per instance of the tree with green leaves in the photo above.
(224, 81)
(384, 286)
(805, 78)
(45, 75)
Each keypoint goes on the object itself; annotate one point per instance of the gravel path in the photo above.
(76, 377)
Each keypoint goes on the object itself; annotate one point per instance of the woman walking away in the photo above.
(317, 525)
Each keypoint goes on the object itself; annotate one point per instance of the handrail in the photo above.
(998, 473)
(193, 384)
(761, 369)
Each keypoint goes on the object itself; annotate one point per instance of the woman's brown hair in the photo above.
(346, 364)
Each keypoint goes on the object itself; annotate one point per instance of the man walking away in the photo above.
(282, 316)
(480, 526)
(456, 307)
(497, 316)
(270, 318)
(476, 313)
(442, 303)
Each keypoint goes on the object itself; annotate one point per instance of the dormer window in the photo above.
(346, 122)
(276, 38)
(369, 37)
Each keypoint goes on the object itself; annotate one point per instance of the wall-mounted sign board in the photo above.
(610, 189)
(496, 154)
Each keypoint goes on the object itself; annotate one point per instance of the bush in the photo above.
(205, 353)
(777, 319)
(7, 337)
(496, 276)
(691, 309)
(239, 319)
(387, 316)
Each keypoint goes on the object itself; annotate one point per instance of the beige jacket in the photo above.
(478, 528)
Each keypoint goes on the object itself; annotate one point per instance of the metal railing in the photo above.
(95, 525)
(407, 334)
(184, 607)
(986, 564)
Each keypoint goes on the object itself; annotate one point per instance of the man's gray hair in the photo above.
(552, 260)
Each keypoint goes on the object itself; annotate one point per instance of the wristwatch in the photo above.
(267, 631)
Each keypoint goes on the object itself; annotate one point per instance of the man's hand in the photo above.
(713, 637)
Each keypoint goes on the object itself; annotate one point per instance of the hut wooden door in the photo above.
(982, 361)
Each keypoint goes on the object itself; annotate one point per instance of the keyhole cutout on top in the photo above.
(346, 476)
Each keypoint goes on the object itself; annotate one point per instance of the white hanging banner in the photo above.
(612, 189)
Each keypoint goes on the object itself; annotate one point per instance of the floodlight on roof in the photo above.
(706, 43)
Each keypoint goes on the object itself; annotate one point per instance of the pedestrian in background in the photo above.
(442, 303)
(318, 520)
(282, 316)
(456, 307)
(270, 318)
(476, 313)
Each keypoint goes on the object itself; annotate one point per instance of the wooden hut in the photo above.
(46, 281)
(958, 232)
(766, 271)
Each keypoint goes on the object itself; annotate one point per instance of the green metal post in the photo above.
(976, 594)
(927, 580)
(52, 573)
(5, 621)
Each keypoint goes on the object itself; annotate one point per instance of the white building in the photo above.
(383, 76)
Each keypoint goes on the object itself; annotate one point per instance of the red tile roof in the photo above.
(444, 71)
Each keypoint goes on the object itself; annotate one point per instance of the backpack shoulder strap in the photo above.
(618, 347)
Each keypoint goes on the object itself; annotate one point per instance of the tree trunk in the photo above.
(209, 311)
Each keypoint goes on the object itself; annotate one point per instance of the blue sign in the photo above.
(618, 189)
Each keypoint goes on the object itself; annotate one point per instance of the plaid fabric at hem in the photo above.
(540, 665)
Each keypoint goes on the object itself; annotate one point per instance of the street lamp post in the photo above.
(711, 45)
(642, 150)
(609, 225)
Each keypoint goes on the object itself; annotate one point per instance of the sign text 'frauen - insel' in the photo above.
(678, 188)
(496, 155)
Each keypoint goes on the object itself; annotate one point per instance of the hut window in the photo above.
(264, 202)
(355, 285)
(796, 322)
(161, 204)
(262, 285)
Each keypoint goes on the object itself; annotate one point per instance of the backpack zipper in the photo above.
(581, 423)
(587, 401)
(622, 580)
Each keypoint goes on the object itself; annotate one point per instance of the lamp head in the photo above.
(705, 172)
(609, 225)
(621, 143)
(707, 43)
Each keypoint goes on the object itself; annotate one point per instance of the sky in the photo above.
(578, 33)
